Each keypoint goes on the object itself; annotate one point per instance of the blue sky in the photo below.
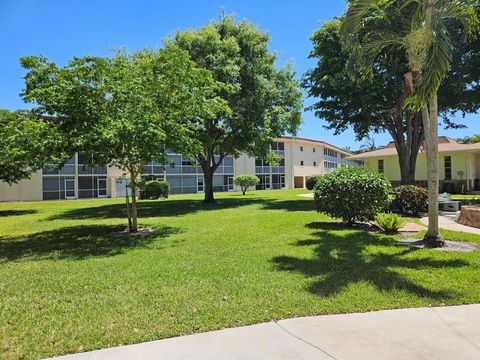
(63, 29)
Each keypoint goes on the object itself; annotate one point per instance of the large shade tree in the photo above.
(345, 98)
(429, 50)
(27, 142)
(126, 109)
(265, 101)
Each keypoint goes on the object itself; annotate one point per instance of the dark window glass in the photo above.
(381, 167)
(447, 160)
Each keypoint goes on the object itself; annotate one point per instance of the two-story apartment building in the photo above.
(299, 159)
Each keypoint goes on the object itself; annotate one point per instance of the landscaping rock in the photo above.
(470, 215)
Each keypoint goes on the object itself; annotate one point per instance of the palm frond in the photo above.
(370, 50)
(434, 70)
(355, 14)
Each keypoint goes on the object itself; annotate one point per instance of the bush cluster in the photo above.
(389, 222)
(312, 181)
(154, 189)
(411, 199)
(246, 181)
(352, 194)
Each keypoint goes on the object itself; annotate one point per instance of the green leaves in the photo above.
(352, 194)
(26, 143)
(427, 41)
(127, 108)
(264, 102)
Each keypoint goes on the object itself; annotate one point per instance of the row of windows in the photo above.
(329, 152)
(268, 182)
(302, 163)
(177, 164)
(78, 164)
(330, 165)
(185, 184)
(63, 187)
(313, 149)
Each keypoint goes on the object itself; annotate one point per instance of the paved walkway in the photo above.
(310, 195)
(423, 333)
(446, 220)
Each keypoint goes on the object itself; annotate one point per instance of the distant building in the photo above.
(299, 159)
(459, 165)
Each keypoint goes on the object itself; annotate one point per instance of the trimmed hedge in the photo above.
(154, 189)
(352, 194)
(312, 181)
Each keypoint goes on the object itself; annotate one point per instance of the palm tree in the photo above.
(428, 47)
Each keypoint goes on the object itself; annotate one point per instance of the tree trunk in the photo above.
(209, 166)
(405, 127)
(407, 167)
(430, 123)
(208, 183)
(133, 207)
(127, 202)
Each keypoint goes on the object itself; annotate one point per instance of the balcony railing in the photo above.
(262, 169)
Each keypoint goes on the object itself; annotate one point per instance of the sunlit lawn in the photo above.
(66, 285)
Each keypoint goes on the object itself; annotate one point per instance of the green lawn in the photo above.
(66, 285)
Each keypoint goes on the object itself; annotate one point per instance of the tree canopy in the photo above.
(265, 101)
(346, 98)
(126, 109)
(26, 144)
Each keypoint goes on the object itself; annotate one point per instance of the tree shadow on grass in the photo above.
(336, 226)
(179, 207)
(344, 258)
(290, 205)
(76, 242)
(5, 213)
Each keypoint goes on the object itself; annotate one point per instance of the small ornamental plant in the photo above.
(352, 194)
(246, 181)
(389, 222)
(411, 198)
(154, 189)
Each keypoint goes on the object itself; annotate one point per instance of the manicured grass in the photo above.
(66, 285)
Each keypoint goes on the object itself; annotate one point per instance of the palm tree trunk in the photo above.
(430, 123)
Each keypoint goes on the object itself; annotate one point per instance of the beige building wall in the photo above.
(243, 165)
(461, 161)
(312, 154)
(25, 190)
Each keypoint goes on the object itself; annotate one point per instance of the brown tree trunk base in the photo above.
(433, 241)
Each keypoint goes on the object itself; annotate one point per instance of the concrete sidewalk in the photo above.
(446, 220)
(423, 333)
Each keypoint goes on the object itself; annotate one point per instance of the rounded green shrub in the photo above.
(246, 181)
(312, 181)
(154, 189)
(411, 198)
(352, 194)
(389, 222)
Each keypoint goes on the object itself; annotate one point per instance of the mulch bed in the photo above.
(449, 245)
